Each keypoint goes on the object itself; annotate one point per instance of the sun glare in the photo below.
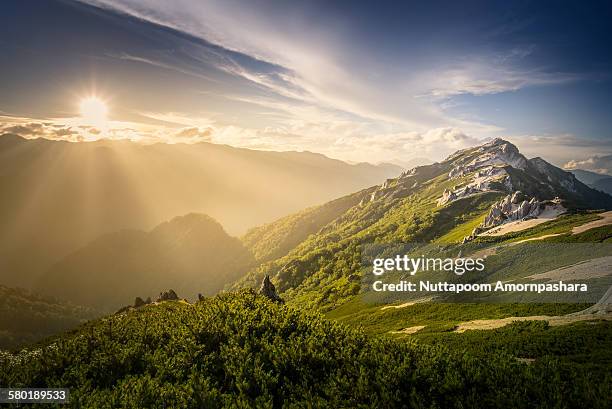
(93, 110)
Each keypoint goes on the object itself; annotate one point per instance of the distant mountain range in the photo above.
(597, 181)
(57, 196)
(191, 254)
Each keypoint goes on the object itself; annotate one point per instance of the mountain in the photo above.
(58, 195)
(604, 185)
(243, 349)
(190, 254)
(26, 317)
(597, 181)
(472, 191)
(587, 177)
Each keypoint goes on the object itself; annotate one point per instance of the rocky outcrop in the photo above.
(511, 208)
(267, 289)
(138, 303)
(514, 207)
(169, 295)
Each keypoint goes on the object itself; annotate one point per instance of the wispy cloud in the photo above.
(315, 69)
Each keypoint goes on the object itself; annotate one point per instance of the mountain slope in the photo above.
(26, 317)
(604, 185)
(242, 350)
(57, 196)
(595, 180)
(276, 239)
(427, 203)
(191, 254)
(587, 177)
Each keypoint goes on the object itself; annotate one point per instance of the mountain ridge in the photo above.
(191, 254)
(423, 204)
(109, 185)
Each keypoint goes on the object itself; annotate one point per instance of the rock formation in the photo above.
(514, 207)
(511, 208)
(169, 295)
(267, 289)
(138, 302)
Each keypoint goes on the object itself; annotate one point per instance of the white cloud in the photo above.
(308, 128)
(598, 164)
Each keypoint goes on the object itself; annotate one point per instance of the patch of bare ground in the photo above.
(409, 330)
(406, 304)
(606, 219)
(552, 320)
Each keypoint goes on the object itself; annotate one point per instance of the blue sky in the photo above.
(360, 81)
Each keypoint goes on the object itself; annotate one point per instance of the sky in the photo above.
(400, 82)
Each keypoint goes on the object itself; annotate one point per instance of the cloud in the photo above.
(325, 69)
(598, 164)
(38, 129)
(28, 129)
(306, 127)
(329, 134)
(193, 134)
(559, 149)
(489, 74)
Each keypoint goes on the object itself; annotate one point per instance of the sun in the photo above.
(93, 110)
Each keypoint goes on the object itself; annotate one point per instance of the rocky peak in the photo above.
(498, 153)
(486, 166)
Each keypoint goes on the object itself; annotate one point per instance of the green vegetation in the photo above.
(276, 239)
(463, 230)
(324, 270)
(584, 345)
(242, 350)
(27, 317)
(375, 320)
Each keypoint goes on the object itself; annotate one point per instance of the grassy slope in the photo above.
(458, 233)
(561, 225)
(276, 239)
(437, 317)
